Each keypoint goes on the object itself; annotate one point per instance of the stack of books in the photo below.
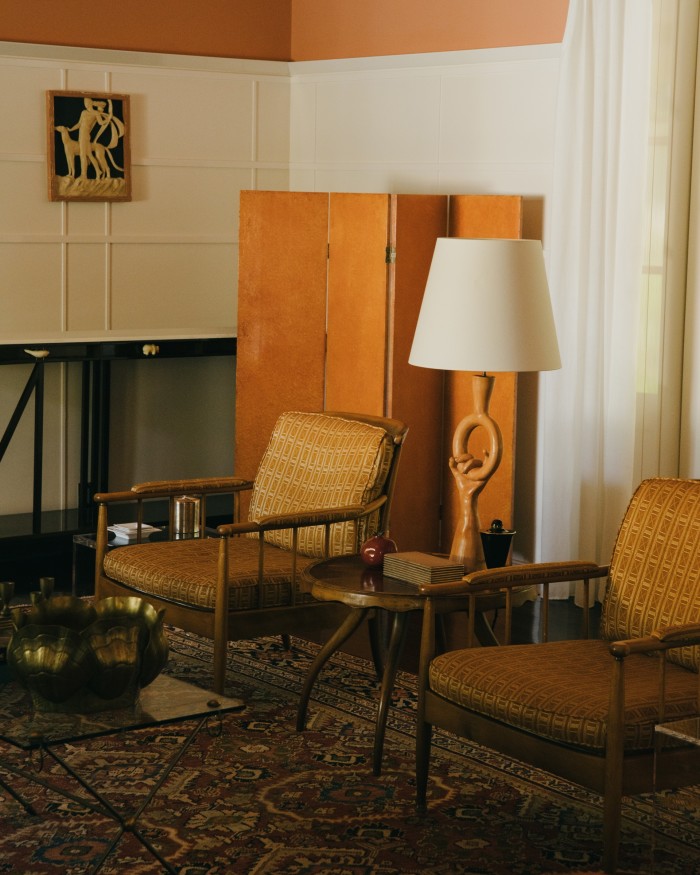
(126, 533)
(416, 567)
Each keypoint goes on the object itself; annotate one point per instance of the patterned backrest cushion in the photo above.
(315, 461)
(655, 569)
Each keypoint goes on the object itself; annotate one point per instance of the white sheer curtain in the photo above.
(594, 264)
(618, 269)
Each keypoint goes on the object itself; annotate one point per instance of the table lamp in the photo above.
(486, 307)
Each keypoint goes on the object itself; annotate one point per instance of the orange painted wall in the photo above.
(323, 29)
(218, 28)
(282, 30)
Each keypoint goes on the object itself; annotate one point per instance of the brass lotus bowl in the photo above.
(59, 610)
(76, 657)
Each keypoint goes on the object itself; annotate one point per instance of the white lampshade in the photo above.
(486, 307)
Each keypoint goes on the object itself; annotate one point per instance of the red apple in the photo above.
(374, 549)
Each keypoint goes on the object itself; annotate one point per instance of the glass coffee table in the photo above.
(166, 700)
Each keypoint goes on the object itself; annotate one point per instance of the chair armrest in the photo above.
(514, 580)
(113, 497)
(663, 638)
(302, 519)
(169, 488)
(512, 576)
(197, 485)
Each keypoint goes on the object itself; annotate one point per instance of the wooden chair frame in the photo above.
(220, 624)
(614, 775)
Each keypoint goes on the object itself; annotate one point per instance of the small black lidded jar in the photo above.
(496, 542)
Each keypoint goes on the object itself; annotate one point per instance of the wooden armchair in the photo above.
(585, 710)
(324, 485)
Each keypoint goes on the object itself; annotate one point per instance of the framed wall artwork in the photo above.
(88, 146)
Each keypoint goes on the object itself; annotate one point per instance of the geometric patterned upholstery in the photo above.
(655, 569)
(313, 461)
(185, 572)
(561, 690)
(506, 683)
(316, 461)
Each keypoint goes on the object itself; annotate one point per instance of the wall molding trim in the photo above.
(427, 61)
(77, 55)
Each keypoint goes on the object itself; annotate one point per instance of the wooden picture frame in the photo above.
(88, 146)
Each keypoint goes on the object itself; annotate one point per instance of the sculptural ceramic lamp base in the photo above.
(75, 657)
(471, 474)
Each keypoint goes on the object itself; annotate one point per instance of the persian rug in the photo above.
(261, 798)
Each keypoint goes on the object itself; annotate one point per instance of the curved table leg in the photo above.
(484, 632)
(339, 637)
(377, 639)
(398, 636)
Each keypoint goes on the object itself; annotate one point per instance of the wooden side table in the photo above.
(347, 579)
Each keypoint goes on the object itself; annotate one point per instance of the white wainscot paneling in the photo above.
(378, 120)
(520, 179)
(86, 79)
(195, 116)
(302, 180)
(160, 286)
(90, 219)
(269, 179)
(25, 207)
(185, 200)
(505, 114)
(398, 179)
(30, 279)
(302, 140)
(22, 106)
(85, 287)
(273, 121)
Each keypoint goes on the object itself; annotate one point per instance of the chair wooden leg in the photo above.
(424, 734)
(611, 831)
(220, 649)
(221, 617)
(614, 756)
(424, 730)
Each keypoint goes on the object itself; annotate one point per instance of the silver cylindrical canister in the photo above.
(186, 517)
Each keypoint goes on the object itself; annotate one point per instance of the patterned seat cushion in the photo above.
(318, 461)
(185, 572)
(560, 690)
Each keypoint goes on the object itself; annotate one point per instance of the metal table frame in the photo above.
(166, 700)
